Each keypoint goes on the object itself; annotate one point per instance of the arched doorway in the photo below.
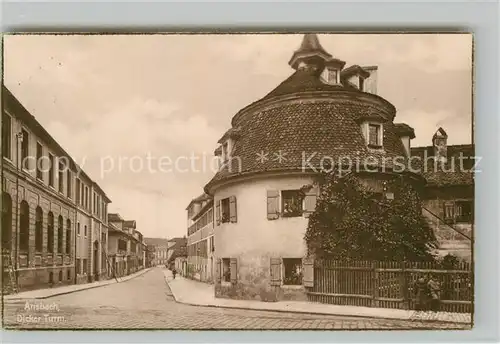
(96, 260)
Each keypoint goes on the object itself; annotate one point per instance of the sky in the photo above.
(113, 102)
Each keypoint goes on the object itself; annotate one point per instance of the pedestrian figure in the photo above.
(435, 292)
(174, 272)
(422, 294)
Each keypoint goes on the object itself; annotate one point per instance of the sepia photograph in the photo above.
(239, 181)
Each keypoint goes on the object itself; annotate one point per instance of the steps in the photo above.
(450, 241)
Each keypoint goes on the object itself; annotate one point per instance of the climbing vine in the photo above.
(351, 221)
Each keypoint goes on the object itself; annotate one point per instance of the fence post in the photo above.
(404, 286)
(375, 285)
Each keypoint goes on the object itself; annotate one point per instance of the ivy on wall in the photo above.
(353, 222)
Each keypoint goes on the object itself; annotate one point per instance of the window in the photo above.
(225, 210)
(78, 267)
(6, 136)
(291, 203)
(87, 202)
(60, 233)
(449, 212)
(61, 175)
(464, 211)
(69, 183)
(78, 228)
(25, 149)
(226, 270)
(50, 232)
(51, 169)
(122, 245)
(6, 220)
(212, 244)
(374, 135)
(225, 152)
(85, 230)
(39, 161)
(77, 192)
(39, 230)
(333, 76)
(24, 226)
(84, 266)
(68, 236)
(292, 271)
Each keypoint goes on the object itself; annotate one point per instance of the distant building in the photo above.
(448, 197)
(177, 253)
(200, 239)
(160, 246)
(125, 249)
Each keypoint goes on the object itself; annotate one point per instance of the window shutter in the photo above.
(217, 212)
(233, 270)
(275, 271)
(232, 209)
(310, 201)
(272, 204)
(308, 272)
(218, 270)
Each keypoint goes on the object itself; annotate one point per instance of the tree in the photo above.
(353, 222)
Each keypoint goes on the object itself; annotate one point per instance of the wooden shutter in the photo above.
(232, 209)
(308, 272)
(217, 212)
(233, 269)
(310, 201)
(218, 270)
(275, 271)
(272, 204)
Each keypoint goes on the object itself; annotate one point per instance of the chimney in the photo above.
(439, 143)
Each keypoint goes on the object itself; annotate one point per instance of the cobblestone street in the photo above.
(146, 302)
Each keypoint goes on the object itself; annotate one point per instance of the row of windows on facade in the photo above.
(60, 275)
(64, 173)
(122, 246)
(204, 220)
(283, 271)
(284, 203)
(200, 248)
(25, 229)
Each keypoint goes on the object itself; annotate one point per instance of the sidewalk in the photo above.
(49, 292)
(195, 293)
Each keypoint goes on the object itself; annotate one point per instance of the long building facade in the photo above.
(200, 239)
(260, 199)
(54, 216)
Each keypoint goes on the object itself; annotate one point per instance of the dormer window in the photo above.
(331, 76)
(225, 152)
(374, 135)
